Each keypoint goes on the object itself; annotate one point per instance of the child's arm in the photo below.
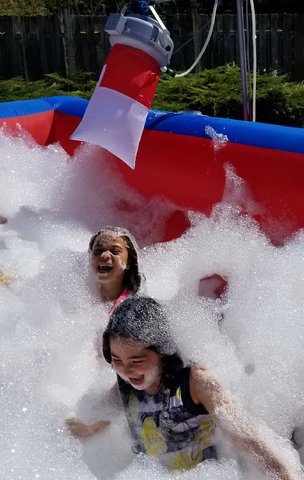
(235, 422)
(79, 429)
(91, 410)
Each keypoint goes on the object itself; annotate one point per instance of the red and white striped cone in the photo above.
(116, 114)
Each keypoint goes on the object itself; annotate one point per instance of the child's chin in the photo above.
(140, 387)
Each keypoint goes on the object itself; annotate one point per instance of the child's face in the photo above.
(141, 367)
(109, 259)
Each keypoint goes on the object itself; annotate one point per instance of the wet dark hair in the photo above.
(132, 277)
(142, 319)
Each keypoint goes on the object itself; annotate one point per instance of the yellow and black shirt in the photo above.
(169, 425)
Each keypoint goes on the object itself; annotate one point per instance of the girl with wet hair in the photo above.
(114, 260)
(172, 408)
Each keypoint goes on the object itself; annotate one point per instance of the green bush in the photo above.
(17, 88)
(215, 92)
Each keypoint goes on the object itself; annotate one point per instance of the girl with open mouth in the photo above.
(174, 407)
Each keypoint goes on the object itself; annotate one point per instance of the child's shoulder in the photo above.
(183, 383)
(202, 379)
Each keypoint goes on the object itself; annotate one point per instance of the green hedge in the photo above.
(215, 92)
(17, 88)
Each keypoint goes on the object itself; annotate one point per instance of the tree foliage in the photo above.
(19, 7)
(76, 7)
(46, 7)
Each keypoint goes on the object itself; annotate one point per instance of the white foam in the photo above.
(49, 315)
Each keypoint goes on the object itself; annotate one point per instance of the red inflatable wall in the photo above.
(177, 160)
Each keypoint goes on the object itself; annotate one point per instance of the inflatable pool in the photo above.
(182, 158)
(252, 335)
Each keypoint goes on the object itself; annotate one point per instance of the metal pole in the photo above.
(241, 32)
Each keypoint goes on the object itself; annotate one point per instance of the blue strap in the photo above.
(140, 7)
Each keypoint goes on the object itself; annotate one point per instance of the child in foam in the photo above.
(114, 261)
(172, 409)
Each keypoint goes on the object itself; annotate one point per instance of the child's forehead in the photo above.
(109, 239)
(127, 346)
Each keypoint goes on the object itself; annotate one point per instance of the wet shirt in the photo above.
(169, 426)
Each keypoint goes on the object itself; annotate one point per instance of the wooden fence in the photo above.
(33, 46)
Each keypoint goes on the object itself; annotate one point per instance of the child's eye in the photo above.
(96, 253)
(115, 361)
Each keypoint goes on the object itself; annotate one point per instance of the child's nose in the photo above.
(127, 370)
(105, 254)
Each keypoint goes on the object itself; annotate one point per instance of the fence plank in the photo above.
(91, 44)
(263, 35)
(288, 47)
(276, 40)
(227, 41)
(33, 46)
(180, 28)
(298, 73)
(6, 39)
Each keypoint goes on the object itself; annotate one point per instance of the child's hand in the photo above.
(79, 429)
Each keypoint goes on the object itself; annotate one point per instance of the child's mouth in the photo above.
(104, 268)
(136, 380)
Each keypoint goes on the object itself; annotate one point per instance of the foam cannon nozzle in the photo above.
(116, 114)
